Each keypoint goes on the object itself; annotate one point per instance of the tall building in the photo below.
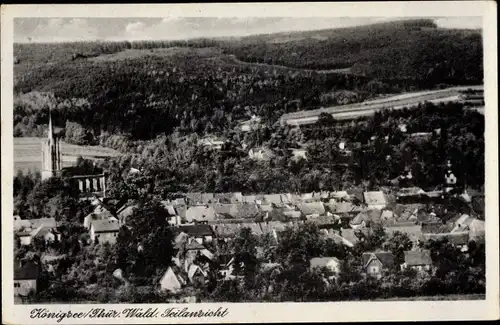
(89, 186)
(450, 179)
(51, 153)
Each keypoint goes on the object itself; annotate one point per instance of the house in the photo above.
(405, 211)
(417, 260)
(249, 198)
(25, 227)
(196, 275)
(458, 239)
(20, 223)
(225, 198)
(364, 218)
(191, 251)
(346, 208)
(181, 215)
(433, 227)
(351, 237)
(273, 199)
(46, 222)
(237, 197)
(325, 221)
(340, 195)
(387, 215)
(226, 231)
(222, 211)
(172, 281)
(356, 194)
(24, 237)
(101, 213)
(174, 218)
(292, 214)
(337, 238)
(463, 223)
(179, 202)
(298, 154)
(226, 267)
(244, 211)
(211, 142)
(26, 278)
(48, 235)
(285, 199)
(309, 197)
(207, 198)
(253, 123)
(375, 263)
(200, 213)
(274, 228)
(414, 232)
(202, 233)
(375, 200)
(421, 135)
(104, 231)
(330, 263)
(194, 198)
(477, 230)
(133, 170)
(409, 195)
(312, 209)
(260, 154)
(266, 207)
(433, 196)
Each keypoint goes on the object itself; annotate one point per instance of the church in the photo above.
(90, 186)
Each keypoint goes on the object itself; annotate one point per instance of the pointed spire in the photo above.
(51, 129)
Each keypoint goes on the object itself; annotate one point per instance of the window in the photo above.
(374, 269)
(17, 285)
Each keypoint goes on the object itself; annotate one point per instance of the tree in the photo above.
(398, 244)
(245, 253)
(298, 245)
(148, 227)
(76, 134)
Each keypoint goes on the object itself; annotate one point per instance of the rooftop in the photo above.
(416, 258)
(105, 225)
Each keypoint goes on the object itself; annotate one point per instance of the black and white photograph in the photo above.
(248, 159)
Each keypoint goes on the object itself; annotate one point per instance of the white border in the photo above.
(278, 312)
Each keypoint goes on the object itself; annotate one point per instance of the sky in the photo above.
(171, 28)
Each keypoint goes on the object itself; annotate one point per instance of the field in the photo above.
(159, 52)
(28, 153)
(369, 107)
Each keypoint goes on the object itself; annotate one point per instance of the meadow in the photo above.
(28, 153)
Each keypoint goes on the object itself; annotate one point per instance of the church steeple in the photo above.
(51, 152)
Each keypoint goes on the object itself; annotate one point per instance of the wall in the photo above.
(25, 240)
(107, 237)
(23, 287)
(374, 268)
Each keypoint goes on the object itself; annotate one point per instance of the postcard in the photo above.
(249, 162)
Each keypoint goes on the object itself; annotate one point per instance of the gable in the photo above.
(373, 262)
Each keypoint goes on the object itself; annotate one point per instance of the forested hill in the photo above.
(208, 85)
(414, 49)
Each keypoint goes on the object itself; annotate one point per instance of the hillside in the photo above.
(208, 86)
(415, 50)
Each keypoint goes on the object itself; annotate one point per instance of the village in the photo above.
(201, 222)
